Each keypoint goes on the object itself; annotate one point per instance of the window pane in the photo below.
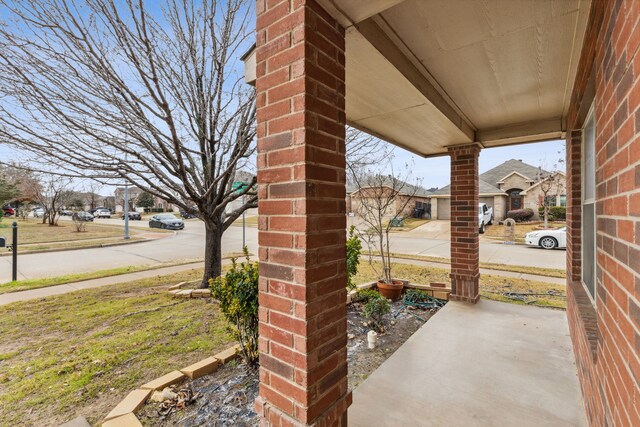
(588, 247)
(563, 200)
(589, 160)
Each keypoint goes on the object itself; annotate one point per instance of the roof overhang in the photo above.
(430, 74)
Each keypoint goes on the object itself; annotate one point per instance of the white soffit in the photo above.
(379, 99)
(501, 62)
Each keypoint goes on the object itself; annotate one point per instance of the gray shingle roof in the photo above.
(488, 181)
(407, 189)
(484, 188)
(492, 176)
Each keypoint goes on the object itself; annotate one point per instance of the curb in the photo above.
(123, 414)
(103, 245)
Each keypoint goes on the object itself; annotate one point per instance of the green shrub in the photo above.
(374, 310)
(237, 292)
(366, 295)
(354, 248)
(555, 212)
(520, 215)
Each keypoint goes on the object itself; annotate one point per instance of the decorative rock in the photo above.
(175, 292)
(186, 293)
(180, 285)
(228, 354)
(77, 422)
(157, 396)
(201, 293)
(131, 403)
(351, 336)
(128, 420)
(164, 381)
(201, 368)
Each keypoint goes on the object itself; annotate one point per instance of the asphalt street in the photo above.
(189, 244)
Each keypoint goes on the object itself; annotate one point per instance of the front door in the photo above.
(515, 199)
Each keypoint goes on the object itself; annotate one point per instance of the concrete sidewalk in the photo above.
(490, 364)
(95, 283)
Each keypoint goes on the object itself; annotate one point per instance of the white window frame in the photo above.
(591, 201)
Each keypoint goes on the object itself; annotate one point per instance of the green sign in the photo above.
(240, 186)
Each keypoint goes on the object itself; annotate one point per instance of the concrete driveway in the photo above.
(436, 229)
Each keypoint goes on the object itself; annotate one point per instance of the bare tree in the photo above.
(52, 194)
(128, 91)
(380, 198)
(551, 186)
(364, 150)
(93, 188)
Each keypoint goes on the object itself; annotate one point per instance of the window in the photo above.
(563, 200)
(588, 205)
(550, 201)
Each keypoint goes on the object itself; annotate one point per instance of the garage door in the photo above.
(444, 208)
(487, 200)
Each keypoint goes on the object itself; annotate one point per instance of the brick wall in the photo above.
(301, 184)
(607, 338)
(465, 243)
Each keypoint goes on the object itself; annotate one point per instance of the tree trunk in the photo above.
(212, 251)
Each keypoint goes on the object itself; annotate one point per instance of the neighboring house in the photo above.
(134, 193)
(512, 185)
(418, 203)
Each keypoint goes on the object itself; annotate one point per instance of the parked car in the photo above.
(485, 216)
(102, 213)
(83, 216)
(547, 239)
(38, 212)
(167, 221)
(186, 215)
(134, 215)
(66, 212)
(8, 211)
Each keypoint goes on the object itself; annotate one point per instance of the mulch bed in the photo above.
(226, 398)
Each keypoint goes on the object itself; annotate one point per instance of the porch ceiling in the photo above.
(430, 74)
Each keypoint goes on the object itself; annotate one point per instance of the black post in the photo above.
(14, 277)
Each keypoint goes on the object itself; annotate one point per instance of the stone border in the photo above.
(123, 415)
(182, 290)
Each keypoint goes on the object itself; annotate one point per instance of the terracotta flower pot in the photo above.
(391, 291)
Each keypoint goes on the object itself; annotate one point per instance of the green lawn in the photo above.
(540, 271)
(80, 353)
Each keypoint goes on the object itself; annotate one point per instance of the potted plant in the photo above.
(379, 200)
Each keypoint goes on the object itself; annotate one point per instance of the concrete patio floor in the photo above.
(492, 364)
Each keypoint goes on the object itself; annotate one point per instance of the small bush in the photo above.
(375, 310)
(366, 295)
(354, 248)
(237, 292)
(520, 215)
(555, 213)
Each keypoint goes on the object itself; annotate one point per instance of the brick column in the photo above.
(574, 205)
(465, 245)
(302, 220)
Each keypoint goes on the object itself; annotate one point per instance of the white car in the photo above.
(102, 213)
(38, 213)
(547, 239)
